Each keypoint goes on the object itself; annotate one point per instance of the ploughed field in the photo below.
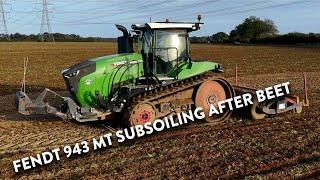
(285, 146)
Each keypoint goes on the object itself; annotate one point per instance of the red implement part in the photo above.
(141, 114)
(211, 92)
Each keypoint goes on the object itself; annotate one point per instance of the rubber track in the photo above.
(170, 89)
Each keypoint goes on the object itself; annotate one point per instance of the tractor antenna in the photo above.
(3, 22)
(199, 18)
(150, 19)
(45, 22)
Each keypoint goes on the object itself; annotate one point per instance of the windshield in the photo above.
(171, 45)
(168, 47)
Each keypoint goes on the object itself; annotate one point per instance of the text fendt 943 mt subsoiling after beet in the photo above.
(157, 80)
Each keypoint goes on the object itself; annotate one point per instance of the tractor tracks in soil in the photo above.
(200, 127)
(189, 144)
(184, 160)
(270, 148)
(26, 136)
(39, 138)
(178, 152)
(181, 153)
(28, 139)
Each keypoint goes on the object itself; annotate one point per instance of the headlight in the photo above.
(72, 74)
(65, 70)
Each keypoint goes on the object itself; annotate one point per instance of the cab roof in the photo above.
(189, 26)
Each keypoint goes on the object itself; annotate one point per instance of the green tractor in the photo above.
(158, 79)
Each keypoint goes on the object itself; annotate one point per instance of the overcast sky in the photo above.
(97, 17)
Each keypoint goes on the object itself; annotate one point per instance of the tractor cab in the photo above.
(163, 46)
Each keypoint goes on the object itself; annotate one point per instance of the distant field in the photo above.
(47, 60)
(285, 147)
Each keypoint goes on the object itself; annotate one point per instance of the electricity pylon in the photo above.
(3, 23)
(45, 23)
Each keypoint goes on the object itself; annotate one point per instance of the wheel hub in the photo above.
(211, 92)
(212, 99)
(141, 114)
(145, 116)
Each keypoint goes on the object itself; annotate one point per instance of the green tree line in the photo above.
(59, 37)
(251, 30)
(255, 30)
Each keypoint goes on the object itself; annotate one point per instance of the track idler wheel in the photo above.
(140, 114)
(211, 92)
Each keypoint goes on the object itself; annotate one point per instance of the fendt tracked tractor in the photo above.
(156, 80)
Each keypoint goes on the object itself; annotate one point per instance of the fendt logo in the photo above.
(116, 64)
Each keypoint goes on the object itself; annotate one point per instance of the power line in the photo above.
(18, 19)
(226, 11)
(145, 6)
(236, 7)
(150, 6)
(233, 10)
(177, 8)
(262, 8)
(101, 9)
(28, 23)
(71, 4)
(182, 7)
(3, 22)
(229, 8)
(45, 22)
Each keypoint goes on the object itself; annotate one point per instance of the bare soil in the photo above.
(285, 146)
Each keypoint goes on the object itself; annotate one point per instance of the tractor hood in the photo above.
(97, 76)
(94, 80)
(73, 74)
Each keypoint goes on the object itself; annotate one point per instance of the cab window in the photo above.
(170, 48)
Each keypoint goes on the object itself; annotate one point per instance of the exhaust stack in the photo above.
(125, 42)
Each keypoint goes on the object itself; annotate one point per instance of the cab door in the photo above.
(170, 48)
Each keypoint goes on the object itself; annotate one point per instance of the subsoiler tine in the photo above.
(306, 100)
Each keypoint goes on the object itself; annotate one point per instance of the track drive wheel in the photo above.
(211, 92)
(140, 114)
